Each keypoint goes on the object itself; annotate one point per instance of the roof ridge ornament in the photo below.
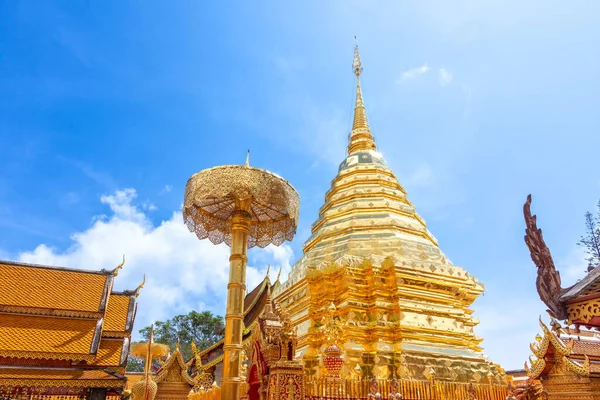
(115, 271)
(141, 285)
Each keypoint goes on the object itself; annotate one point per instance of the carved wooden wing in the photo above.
(548, 281)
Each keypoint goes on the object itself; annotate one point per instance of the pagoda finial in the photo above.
(361, 138)
(248, 159)
(357, 64)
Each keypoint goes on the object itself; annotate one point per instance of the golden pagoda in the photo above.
(401, 305)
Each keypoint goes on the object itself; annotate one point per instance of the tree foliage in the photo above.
(204, 328)
(591, 240)
(135, 364)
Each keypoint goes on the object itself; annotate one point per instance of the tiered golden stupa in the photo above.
(403, 305)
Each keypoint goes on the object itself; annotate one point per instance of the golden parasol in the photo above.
(244, 207)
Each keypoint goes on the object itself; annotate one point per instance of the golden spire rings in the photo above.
(357, 64)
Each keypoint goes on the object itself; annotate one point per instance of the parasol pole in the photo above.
(234, 316)
(242, 206)
(148, 363)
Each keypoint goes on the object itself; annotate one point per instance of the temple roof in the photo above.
(26, 285)
(59, 377)
(554, 346)
(254, 303)
(111, 352)
(68, 318)
(44, 337)
(120, 313)
(175, 360)
(589, 285)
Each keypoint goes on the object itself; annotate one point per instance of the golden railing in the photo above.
(340, 388)
(213, 393)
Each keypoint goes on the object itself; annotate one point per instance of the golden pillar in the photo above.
(234, 316)
(243, 207)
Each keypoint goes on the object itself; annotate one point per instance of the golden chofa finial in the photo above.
(357, 64)
(137, 289)
(538, 338)
(115, 271)
(279, 274)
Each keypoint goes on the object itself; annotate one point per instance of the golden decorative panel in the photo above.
(583, 311)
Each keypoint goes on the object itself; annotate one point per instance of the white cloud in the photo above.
(414, 72)
(182, 273)
(166, 189)
(445, 77)
(148, 206)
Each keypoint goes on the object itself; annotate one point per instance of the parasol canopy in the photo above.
(211, 196)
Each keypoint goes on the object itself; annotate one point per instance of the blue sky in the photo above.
(106, 110)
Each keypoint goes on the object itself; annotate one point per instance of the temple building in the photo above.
(63, 331)
(403, 305)
(210, 360)
(565, 360)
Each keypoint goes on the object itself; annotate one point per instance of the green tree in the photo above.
(204, 328)
(591, 240)
(135, 364)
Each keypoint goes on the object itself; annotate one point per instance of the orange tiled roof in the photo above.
(58, 377)
(117, 312)
(46, 337)
(24, 285)
(109, 353)
(49, 373)
(595, 368)
(588, 348)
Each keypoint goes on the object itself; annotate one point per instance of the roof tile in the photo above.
(33, 334)
(116, 312)
(29, 286)
(109, 352)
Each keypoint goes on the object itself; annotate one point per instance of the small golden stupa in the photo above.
(402, 304)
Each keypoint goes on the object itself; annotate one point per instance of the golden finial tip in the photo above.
(356, 64)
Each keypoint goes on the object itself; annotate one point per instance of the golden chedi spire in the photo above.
(361, 137)
(372, 255)
(366, 211)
